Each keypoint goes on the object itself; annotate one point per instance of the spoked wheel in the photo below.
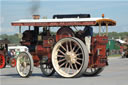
(2, 61)
(70, 57)
(93, 71)
(13, 62)
(47, 69)
(24, 64)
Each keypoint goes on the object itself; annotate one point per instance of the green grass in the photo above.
(115, 55)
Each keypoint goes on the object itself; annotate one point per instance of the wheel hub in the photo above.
(24, 64)
(70, 57)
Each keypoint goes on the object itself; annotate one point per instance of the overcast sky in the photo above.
(12, 10)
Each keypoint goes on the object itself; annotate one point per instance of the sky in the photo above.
(13, 10)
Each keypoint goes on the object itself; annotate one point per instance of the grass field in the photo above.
(115, 55)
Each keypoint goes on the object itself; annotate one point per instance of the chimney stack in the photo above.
(36, 16)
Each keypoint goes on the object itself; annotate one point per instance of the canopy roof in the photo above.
(65, 22)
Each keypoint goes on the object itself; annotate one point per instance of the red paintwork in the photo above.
(25, 43)
(64, 32)
(47, 42)
(40, 51)
(13, 62)
(2, 60)
(58, 24)
(36, 60)
(98, 60)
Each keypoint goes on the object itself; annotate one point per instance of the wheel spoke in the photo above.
(62, 64)
(26, 69)
(61, 60)
(68, 68)
(77, 50)
(63, 47)
(47, 68)
(79, 58)
(67, 46)
(76, 66)
(78, 54)
(78, 63)
(91, 69)
(24, 58)
(70, 46)
(21, 68)
(72, 67)
(60, 56)
(61, 52)
(65, 66)
(74, 47)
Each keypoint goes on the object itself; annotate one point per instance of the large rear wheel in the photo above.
(24, 64)
(70, 57)
(93, 71)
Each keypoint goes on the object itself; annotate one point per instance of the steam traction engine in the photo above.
(3, 52)
(5, 58)
(70, 52)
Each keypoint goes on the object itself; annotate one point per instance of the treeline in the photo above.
(115, 35)
(14, 39)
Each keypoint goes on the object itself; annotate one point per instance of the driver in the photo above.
(88, 33)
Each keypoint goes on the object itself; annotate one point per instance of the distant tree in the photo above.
(12, 38)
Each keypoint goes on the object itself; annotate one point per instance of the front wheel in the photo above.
(70, 57)
(24, 64)
(47, 69)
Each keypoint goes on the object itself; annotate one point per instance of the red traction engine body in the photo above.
(5, 58)
(67, 49)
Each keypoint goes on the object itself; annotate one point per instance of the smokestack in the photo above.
(36, 16)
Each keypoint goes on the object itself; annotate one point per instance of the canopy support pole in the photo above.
(19, 29)
(99, 29)
(106, 29)
(29, 28)
(20, 34)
